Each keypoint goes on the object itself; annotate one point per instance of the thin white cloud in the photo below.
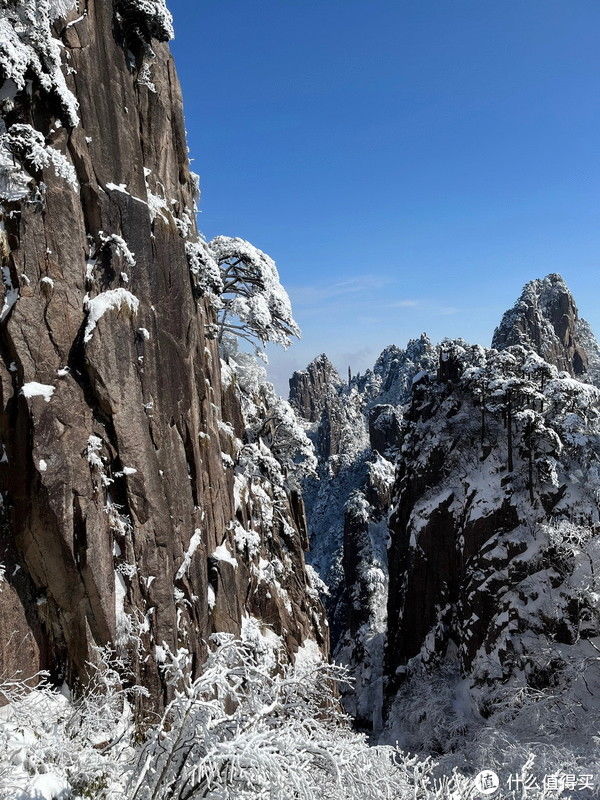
(404, 304)
(309, 295)
(446, 311)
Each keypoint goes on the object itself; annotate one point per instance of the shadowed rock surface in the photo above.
(117, 475)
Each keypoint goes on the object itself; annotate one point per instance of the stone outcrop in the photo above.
(311, 388)
(545, 319)
(118, 460)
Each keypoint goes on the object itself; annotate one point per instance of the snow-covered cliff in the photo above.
(463, 584)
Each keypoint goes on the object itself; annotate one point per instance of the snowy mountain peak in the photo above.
(395, 369)
(545, 319)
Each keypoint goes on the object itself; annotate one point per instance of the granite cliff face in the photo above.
(120, 444)
(312, 388)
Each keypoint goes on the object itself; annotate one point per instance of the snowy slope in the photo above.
(494, 621)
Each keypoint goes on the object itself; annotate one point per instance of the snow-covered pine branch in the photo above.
(244, 285)
(29, 49)
(270, 420)
(28, 147)
(150, 19)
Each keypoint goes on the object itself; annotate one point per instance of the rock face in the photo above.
(545, 319)
(119, 456)
(311, 388)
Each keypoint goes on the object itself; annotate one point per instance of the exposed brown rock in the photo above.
(147, 385)
(311, 388)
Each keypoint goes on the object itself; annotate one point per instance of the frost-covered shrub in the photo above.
(28, 47)
(531, 734)
(250, 727)
(278, 427)
(27, 148)
(29, 51)
(54, 745)
(240, 730)
(150, 19)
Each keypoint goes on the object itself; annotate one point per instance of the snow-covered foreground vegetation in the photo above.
(239, 730)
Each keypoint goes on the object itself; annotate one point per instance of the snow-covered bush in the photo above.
(278, 427)
(245, 727)
(54, 744)
(240, 730)
(270, 420)
(28, 48)
(28, 147)
(150, 19)
(31, 54)
(530, 736)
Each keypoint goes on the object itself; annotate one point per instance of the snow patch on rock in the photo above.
(111, 300)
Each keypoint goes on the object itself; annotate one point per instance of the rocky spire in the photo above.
(545, 319)
(310, 388)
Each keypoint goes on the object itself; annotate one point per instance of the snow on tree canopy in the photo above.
(269, 419)
(205, 270)
(252, 294)
(111, 300)
(29, 147)
(150, 18)
(60, 8)
(28, 47)
(120, 245)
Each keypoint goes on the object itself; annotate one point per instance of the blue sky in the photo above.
(409, 165)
